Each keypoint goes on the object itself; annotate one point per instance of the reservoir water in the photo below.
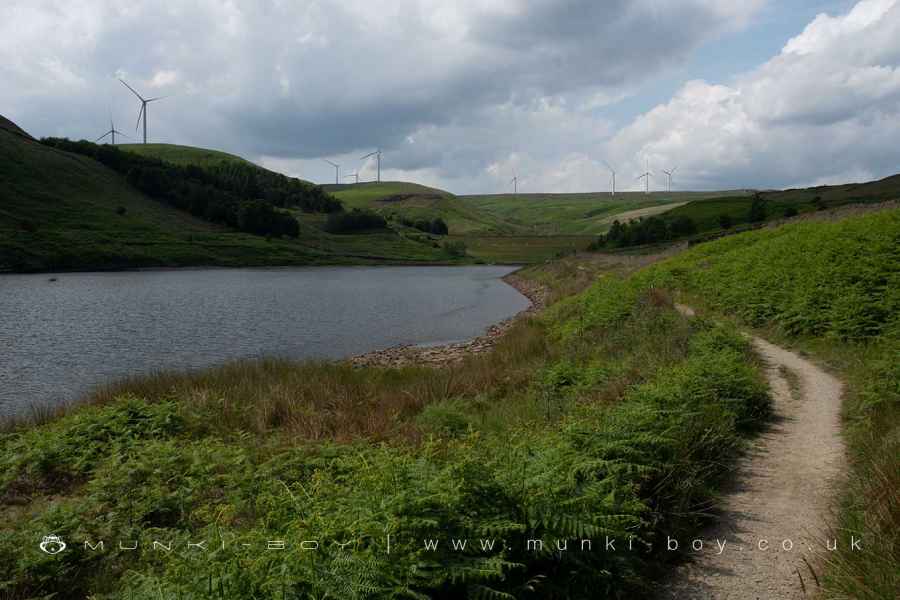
(58, 339)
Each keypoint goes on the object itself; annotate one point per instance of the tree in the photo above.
(725, 221)
(757, 210)
(682, 225)
(790, 211)
(439, 227)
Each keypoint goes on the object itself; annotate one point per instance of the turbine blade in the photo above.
(157, 98)
(132, 90)
(102, 136)
(136, 125)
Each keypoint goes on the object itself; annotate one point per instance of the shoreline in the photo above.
(445, 355)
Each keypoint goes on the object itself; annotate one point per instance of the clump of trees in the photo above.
(436, 226)
(456, 249)
(238, 195)
(646, 230)
(355, 220)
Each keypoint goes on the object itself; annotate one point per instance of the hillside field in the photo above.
(579, 214)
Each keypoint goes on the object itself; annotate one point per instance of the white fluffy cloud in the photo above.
(463, 94)
(826, 109)
(447, 88)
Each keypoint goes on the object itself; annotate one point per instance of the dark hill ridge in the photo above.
(8, 125)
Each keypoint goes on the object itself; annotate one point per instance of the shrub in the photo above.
(456, 249)
(355, 220)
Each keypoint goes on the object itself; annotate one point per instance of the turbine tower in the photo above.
(144, 103)
(112, 132)
(646, 177)
(515, 182)
(613, 171)
(669, 178)
(337, 171)
(356, 175)
(377, 155)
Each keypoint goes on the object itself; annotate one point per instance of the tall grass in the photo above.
(611, 415)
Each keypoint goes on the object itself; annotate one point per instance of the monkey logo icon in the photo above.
(52, 544)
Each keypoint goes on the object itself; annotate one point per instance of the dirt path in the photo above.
(649, 211)
(781, 495)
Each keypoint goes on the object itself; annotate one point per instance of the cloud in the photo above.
(827, 108)
(438, 84)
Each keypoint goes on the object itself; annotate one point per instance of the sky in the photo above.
(465, 94)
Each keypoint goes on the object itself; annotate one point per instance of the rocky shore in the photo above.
(439, 356)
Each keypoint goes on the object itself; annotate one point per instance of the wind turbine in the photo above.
(112, 132)
(377, 155)
(353, 175)
(613, 171)
(646, 177)
(515, 182)
(337, 171)
(669, 178)
(144, 103)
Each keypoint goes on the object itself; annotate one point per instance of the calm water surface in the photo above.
(60, 339)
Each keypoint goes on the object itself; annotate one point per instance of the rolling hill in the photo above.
(579, 214)
(183, 155)
(706, 212)
(64, 211)
(414, 201)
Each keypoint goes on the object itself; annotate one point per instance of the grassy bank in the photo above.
(833, 290)
(610, 415)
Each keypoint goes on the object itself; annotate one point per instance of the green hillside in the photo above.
(86, 216)
(706, 212)
(578, 214)
(831, 289)
(183, 155)
(414, 201)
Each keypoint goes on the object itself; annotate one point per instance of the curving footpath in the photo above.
(773, 518)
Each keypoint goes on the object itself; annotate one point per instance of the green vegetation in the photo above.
(185, 155)
(355, 220)
(522, 249)
(708, 214)
(87, 216)
(611, 415)
(239, 195)
(649, 230)
(579, 214)
(410, 203)
(608, 415)
(832, 289)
